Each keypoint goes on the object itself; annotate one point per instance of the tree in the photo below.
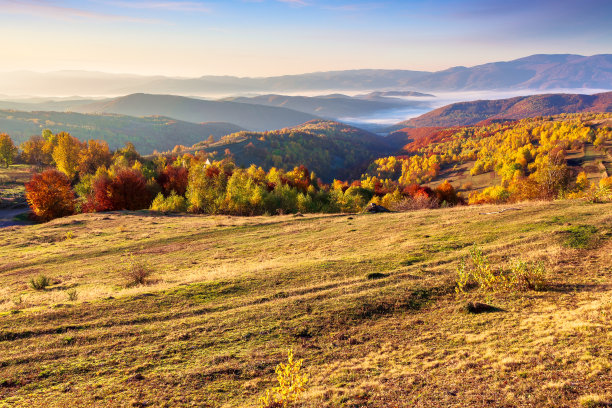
(94, 154)
(173, 178)
(127, 191)
(66, 154)
(33, 151)
(8, 151)
(49, 195)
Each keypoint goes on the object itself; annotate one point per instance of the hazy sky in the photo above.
(270, 37)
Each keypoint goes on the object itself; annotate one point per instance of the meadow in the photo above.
(367, 300)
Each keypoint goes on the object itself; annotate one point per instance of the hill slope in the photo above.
(248, 116)
(331, 149)
(470, 113)
(331, 106)
(147, 134)
(228, 296)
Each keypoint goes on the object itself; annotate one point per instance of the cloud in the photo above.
(191, 6)
(299, 3)
(355, 7)
(47, 9)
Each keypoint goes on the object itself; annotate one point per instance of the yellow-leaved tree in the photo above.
(66, 154)
(291, 384)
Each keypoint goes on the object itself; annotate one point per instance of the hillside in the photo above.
(248, 116)
(147, 134)
(470, 113)
(331, 149)
(329, 106)
(543, 71)
(228, 296)
(504, 158)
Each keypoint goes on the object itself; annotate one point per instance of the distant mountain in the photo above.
(331, 149)
(394, 94)
(470, 113)
(554, 71)
(147, 134)
(328, 106)
(248, 116)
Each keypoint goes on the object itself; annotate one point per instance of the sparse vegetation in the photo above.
(291, 384)
(476, 271)
(40, 282)
(135, 271)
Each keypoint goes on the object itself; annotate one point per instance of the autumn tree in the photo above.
(49, 195)
(173, 178)
(33, 151)
(8, 151)
(94, 154)
(66, 154)
(126, 191)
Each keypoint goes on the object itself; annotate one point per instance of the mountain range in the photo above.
(540, 71)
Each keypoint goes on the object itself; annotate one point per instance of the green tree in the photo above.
(8, 151)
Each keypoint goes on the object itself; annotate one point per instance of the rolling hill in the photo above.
(147, 134)
(248, 116)
(331, 149)
(470, 113)
(329, 106)
(367, 300)
(543, 71)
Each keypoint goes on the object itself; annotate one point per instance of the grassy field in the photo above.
(228, 296)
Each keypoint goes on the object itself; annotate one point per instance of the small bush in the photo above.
(40, 282)
(72, 295)
(135, 272)
(291, 384)
(475, 271)
(376, 275)
(527, 276)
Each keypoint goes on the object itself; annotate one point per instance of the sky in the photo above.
(276, 37)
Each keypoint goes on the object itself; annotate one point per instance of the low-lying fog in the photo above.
(378, 120)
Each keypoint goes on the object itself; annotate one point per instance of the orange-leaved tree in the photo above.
(49, 195)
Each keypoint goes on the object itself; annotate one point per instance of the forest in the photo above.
(529, 156)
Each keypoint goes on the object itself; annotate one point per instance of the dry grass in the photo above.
(228, 296)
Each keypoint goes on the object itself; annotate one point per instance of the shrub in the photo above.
(475, 271)
(72, 295)
(291, 384)
(40, 282)
(49, 195)
(135, 272)
(172, 203)
(527, 276)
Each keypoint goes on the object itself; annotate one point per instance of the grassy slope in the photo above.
(232, 294)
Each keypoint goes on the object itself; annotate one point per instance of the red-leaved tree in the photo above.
(49, 195)
(127, 190)
(174, 179)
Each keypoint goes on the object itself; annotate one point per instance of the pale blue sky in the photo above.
(273, 37)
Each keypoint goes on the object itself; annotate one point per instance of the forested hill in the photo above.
(470, 113)
(147, 134)
(248, 116)
(331, 149)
